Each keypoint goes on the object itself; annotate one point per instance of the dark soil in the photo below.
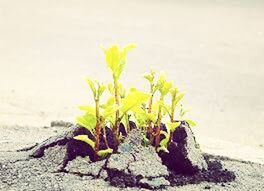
(215, 174)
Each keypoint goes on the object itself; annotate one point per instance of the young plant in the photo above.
(182, 114)
(93, 120)
(116, 61)
(163, 87)
(153, 88)
(120, 106)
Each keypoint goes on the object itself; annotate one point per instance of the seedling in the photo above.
(121, 105)
(116, 61)
(93, 120)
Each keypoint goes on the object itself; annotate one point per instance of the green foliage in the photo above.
(105, 152)
(97, 88)
(173, 125)
(133, 99)
(163, 86)
(148, 110)
(85, 139)
(88, 121)
(116, 58)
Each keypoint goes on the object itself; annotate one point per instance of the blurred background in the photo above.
(212, 49)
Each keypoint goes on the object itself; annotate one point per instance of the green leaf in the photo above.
(85, 139)
(162, 149)
(109, 110)
(191, 122)
(109, 103)
(163, 85)
(183, 112)
(88, 109)
(91, 83)
(88, 121)
(133, 99)
(116, 58)
(173, 126)
(101, 89)
(111, 88)
(178, 99)
(145, 140)
(103, 153)
(164, 142)
(150, 76)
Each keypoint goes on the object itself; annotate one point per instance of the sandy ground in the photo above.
(213, 50)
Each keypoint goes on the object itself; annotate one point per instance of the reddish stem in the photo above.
(97, 138)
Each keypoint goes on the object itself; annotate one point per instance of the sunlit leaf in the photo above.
(178, 98)
(85, 139)
(109, 103)
(145, 140)
(91, 83)
(105, 152)
(116, 58)
(173, 126)
(191, 122)
(133, 99)
(162, 149)
(87, 108)
(109, 110)
(101, 89)
(164, 142)
(88, 121)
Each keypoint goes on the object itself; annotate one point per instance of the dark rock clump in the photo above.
(215, 174)
(184, 155)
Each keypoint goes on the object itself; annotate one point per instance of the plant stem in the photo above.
(157, 134)
(117, 120)
(127, 123)
(150, 130)
(172, 112)
(98, 126)
(105, 138)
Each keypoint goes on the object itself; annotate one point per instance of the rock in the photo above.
(61, 123)
(147, 157)
(134, 163)
(74, 147)
(120, 162)
(85, 166)
(61, 139)
(184, 156)
(53, 158)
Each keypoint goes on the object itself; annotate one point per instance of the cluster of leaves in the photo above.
(120, 107)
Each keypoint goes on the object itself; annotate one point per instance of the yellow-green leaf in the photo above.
(88, 121)
(88, 109)
(91, 83)
(191, 122)
(103, 153)
(173, 126)
(162, 149)
(133, 99)
(85, 139)
(116, 58)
